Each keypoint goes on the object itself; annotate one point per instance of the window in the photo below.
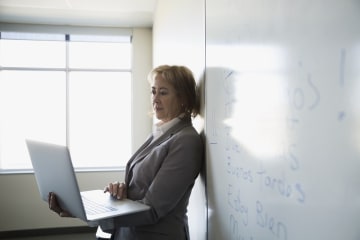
(72, 90)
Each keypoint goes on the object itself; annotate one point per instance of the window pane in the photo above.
(100, 38)
(100, 118)
(33, 36)
(32, 105)
(25, 53)
(99, 55)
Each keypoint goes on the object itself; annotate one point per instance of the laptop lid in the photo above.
(54, 172)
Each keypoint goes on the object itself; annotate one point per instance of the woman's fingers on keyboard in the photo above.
(116, 189)
(121, 193)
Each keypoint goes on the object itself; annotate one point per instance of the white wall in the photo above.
(142, 65)
(179, 39)
(179, 34)
(20, 205)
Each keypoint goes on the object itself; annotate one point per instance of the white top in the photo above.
(160, 128)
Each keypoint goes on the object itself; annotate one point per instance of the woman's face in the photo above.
(164, 99)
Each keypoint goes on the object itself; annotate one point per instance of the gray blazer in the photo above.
(162, 174)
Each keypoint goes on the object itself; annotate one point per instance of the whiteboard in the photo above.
(282, 97)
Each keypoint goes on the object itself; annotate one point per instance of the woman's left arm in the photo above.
(173, 180)
(177, 173)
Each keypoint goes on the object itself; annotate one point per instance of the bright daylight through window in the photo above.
(65, 89)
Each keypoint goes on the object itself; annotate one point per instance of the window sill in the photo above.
(82, 170)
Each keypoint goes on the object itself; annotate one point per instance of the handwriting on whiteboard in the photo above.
(246, 174)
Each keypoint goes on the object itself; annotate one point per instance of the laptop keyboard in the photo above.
(93, 208)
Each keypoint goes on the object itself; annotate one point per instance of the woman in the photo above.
(163, 170)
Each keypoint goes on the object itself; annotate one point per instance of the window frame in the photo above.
(68, 31)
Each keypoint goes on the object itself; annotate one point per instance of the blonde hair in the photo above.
(182, 79)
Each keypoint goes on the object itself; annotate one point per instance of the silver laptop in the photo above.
(54, 172)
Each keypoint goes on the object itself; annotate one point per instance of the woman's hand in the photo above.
(117, 190)
(55, 207)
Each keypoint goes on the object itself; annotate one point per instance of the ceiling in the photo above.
(109, 13)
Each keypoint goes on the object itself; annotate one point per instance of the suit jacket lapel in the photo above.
(148, 145)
